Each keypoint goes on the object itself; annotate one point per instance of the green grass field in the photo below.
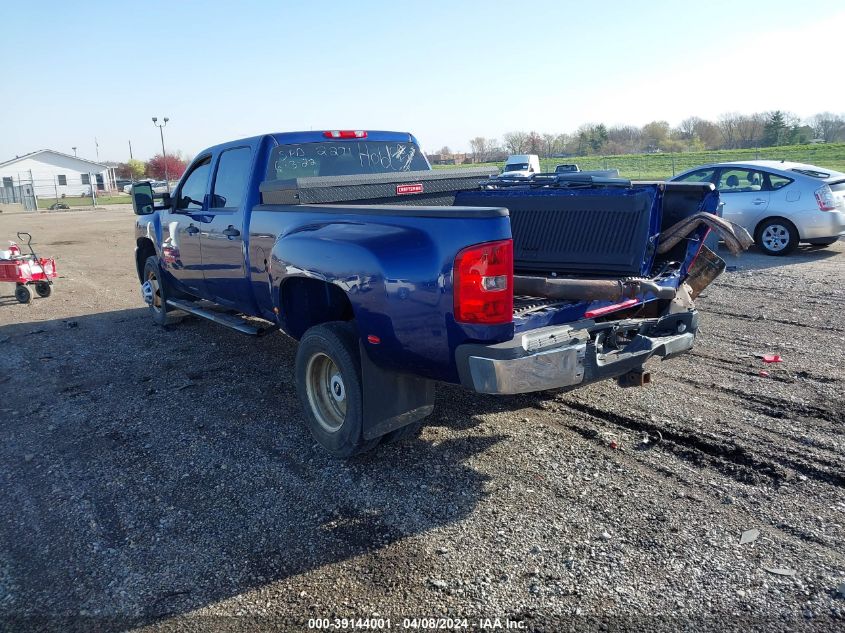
(45, 203)
(662, 166)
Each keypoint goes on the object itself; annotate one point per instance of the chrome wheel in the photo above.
(151, 291)
(326, 392)
(775, 237)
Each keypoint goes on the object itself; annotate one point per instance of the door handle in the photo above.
(192, 230)
(759, 200)
(231, 232)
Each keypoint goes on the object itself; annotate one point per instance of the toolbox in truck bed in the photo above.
(436, 187)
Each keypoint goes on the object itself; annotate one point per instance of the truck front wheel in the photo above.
(154, 292)
(328, 381)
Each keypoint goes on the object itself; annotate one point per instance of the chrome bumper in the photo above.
(556, 357)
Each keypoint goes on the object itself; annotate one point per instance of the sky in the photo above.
(446, 71)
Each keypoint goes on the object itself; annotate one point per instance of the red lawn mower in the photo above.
(27, 270)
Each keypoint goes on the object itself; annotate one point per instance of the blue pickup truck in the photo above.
(393, 276)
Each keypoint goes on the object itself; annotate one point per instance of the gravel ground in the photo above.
(164, 479)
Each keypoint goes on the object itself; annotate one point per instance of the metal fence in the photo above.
(44, 191)
(19, 194)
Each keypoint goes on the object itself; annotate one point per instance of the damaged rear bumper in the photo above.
(573, 355)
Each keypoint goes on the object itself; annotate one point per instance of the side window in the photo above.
(193, 190)
(701, 175)
(776, 182)
(740, 180)
(233, 169)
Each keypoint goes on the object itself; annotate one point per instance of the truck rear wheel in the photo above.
(328, 381)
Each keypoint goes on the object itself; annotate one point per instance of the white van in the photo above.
(521, 165)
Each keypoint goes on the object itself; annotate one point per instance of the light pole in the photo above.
(163, 154)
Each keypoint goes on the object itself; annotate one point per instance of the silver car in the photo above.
(779, 203)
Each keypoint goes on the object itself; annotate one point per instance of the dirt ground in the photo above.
(164, 479)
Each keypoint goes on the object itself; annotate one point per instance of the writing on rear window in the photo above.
(304, 160)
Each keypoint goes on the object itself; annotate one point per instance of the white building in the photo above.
(55, 175)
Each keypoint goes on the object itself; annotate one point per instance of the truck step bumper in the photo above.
(571, 356)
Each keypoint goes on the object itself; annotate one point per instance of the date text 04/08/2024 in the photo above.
(424, 624)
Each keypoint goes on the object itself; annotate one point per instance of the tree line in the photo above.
(730, 131)
(135, 169)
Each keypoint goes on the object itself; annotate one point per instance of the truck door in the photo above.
(222, 237)
(181, 225)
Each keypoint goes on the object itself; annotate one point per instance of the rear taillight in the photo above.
(345, 134)
(825, 199)
(483, 283)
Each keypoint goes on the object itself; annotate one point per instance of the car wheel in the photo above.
(777, 237)
(23, 294)
(154, 292)
(827, 241)
(328, 382)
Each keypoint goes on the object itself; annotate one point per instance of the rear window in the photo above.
(338, 158)
(516, 167)
(837, 186)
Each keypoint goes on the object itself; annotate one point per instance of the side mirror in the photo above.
(142, 198)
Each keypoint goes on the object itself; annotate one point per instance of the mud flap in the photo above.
(704, 270)
(392, 400)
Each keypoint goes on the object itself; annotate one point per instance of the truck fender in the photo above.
(391, 399)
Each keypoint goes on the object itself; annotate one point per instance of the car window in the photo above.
(193, 190)
(700, 175)
(740, 180)
(233, 171)
(776, 182)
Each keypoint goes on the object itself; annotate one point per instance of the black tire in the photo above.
(403, 433)
(23, 294)
(328, 382)
(776, 236)
(826, 241)
(162, 315)
(43, 289)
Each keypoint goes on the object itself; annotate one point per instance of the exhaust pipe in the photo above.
(588, 289)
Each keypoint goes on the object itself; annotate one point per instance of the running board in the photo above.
(228, 320)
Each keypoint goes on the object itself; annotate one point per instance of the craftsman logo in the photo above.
(404, 190)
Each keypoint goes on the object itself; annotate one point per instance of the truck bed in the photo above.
(599, 232)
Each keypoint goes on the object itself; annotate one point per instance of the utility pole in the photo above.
(130, 150)
(34, 195)
(97, 149)
(163, 153)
